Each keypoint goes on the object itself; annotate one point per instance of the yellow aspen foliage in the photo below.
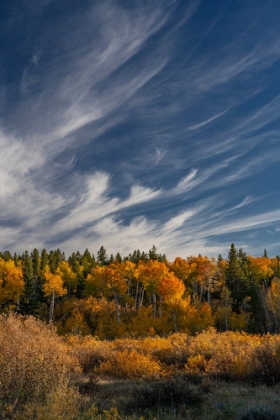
(70, 279)
(75, 324)
(260, 267)
(275, 287)
(128, 269)
(202, 267)
(11, 281)
(54, 285)
(171, 288)
(181, 268)
(222, 267)
(151, 273)
(104, 280)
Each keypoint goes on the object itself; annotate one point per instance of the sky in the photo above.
(133, 123)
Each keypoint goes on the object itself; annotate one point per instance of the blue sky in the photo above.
(131, 123)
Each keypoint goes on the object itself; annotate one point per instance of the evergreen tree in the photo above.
(237, 280)
(118, 257)
(55, 257)
(245, 264)
(102, 256)
(36, 263)
(144, 256)
(153, 253)
(16, 259)
(87, 262)
(29, 303)
(44, 260)
(7, 255)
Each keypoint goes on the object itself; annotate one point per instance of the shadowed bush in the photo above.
(173, 392)
(266, 369)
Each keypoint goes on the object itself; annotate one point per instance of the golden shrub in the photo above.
(128, 364)
(34, 362)
(89, 351)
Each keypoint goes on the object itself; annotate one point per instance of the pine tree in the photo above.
(7, 255)
(16, 259)
(29, 303)
(102, 256)
(36, 263)
(44, 260)
(153, 253)
(237, 279)
(118, 257)
(87, 262)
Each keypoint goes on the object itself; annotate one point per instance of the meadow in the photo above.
(209, 375)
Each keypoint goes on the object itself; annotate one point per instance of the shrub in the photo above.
(173, 392)
(267, 362)
(89, 351)
(128, 364)
(34, 364)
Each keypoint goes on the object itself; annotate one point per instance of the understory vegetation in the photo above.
(210, 375)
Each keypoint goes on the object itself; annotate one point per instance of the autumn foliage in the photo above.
(35, 366)
(143, 294)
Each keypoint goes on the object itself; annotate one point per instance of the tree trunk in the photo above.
(160, 308)
(51, 308)
(141, 297)
(155, 305)
(117, 309)
(137, 296)
(174, 320)
(208, 291)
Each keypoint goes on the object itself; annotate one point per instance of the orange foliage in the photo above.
(11, 282)
(54, 284)
(260, 267)
(181, 268)
(171, 288)
(104, 281)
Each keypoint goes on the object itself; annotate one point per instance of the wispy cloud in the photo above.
(209, 120)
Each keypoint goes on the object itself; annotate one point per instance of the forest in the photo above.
(143, 293)
(139, 337)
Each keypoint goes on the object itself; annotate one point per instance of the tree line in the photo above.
(143, 293)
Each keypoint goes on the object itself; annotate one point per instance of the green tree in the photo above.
(102, 256)
(29, 303)
(44, 260)
(237, 280)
